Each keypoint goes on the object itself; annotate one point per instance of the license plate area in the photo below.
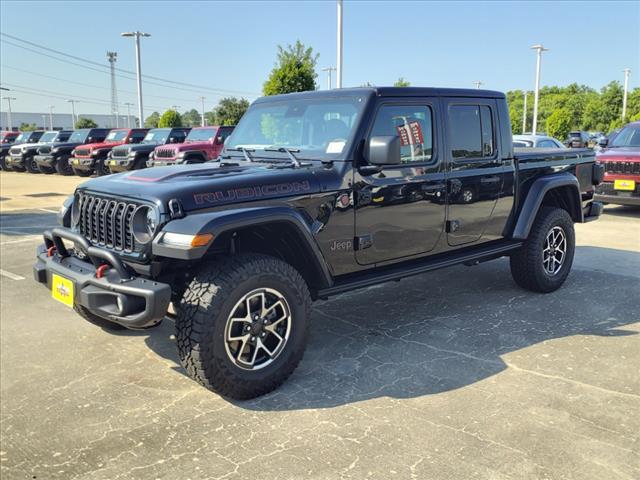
(62, 289)
(625, 185)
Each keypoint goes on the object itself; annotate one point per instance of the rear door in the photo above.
(475, 170)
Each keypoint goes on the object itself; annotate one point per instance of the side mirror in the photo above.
(90, 140)
(384, 150)
(603, 142)
(172, 140)
(219, 140)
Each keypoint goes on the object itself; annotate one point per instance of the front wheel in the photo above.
(31, 165)
(543, 263)
(62, 166)
(241, 325)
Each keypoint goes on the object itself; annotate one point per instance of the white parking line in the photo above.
(48, 210)
(25, 238)
(10, 275)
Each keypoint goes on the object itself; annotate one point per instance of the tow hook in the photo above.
(101, 269)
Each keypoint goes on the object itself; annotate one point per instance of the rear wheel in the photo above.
(543, 263)
(241, 325)
(31, 165)
(62, 165)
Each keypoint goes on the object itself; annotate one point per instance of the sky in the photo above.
(230, 47)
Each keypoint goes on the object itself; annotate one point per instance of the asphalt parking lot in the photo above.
(456, 374)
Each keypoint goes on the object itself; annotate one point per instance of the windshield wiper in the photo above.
(245, 152)
(290, 153)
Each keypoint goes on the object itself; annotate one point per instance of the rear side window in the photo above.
(413, 124)
(472, 131)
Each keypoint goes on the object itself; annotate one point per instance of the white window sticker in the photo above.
(335, 147)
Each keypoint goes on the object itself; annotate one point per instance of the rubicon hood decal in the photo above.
(252, 193)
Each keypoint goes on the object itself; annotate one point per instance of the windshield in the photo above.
(48, 137)
(8, 139)
(629, 136)
(79, 136)
(201, 135)
(318, 127)
(157, 136)
(23, 137)
(116, 135)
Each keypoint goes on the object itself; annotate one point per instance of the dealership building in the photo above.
(61, 120)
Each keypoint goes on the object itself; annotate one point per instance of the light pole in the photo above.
(478, 84)
(44, 122)
(51, 116)
(329, 70)
(339, 44)
(8, 99)
(626, 71)
(73, 113)
(539, 49)
(524, 114)
(137, 35)
(128, 104)
(203, 124)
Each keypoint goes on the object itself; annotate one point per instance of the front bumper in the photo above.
(119, 296)
(15, 160)
(606, 193)
(46, 160)
(121, 165)
(82, 163)
(163, 163)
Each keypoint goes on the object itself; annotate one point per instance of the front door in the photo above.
(475, 171)
(400, 210)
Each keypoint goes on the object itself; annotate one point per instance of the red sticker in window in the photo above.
(410, 134)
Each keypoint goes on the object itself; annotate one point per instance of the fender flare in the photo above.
(535, 196)
(195, 153)
(222, 221)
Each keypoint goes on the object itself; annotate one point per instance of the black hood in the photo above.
(63, 144)
(209, 184)
(137, 147)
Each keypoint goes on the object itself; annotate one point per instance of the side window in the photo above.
(547, 144)
(137, 137)
(179, 135)
(472, 131)
(413, 124)
(224, 133)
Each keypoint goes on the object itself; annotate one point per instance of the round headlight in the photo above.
(144, 224)
(75, 211)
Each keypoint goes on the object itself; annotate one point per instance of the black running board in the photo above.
(416, 267)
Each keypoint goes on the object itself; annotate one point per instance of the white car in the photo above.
(536, 141)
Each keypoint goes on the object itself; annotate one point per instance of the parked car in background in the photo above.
(536, 141)
(7, 139)
(578, 139)
(134, 157)
(93, 156)
(202, 144)
(21, 157)
(22, 138)
(621, 159)
(55, 157)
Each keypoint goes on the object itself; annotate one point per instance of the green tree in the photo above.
(192, 118)
(229, 111)
(558, 124)
(294, 71)
(170, 119)
(401, 82)
(28, 127)
(152, 120)
(86, 123)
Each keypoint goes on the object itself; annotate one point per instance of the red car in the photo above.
(621, 160)
(6, 139)
(202, 144)
(91, 157)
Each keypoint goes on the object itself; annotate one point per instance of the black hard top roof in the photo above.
(391, 92)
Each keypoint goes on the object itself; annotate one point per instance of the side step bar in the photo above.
(416, 267)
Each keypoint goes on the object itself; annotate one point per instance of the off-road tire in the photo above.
(47, 170)
(81, 173)
(31, 165)
(102, 168)
(18, 168)
(527, 263)
(96, 320)
(63, 167)
(205, 307)
(3, 165)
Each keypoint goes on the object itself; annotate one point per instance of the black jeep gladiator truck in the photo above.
(314, 194)
(55, 157)
(134, 157)
(22, 138)
(21, 157)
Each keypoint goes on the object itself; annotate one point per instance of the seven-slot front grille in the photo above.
(82, 152)
(164, 153)
(15, 151)
(107, 222)
(622, 167)
(119, 153)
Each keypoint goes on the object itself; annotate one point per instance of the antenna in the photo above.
(112, 57)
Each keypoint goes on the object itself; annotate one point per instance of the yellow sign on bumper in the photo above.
(624, 185)
(62, 289)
